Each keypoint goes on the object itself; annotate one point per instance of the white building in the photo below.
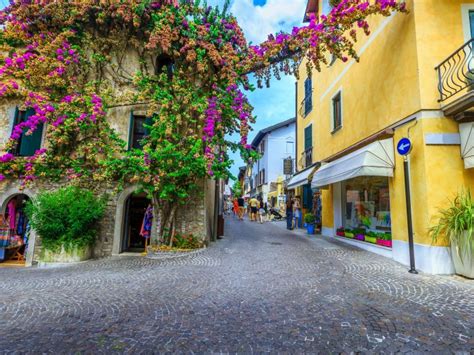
(275, 144)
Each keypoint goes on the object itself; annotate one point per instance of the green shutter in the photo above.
(130, 131)
(308, 137)
(31, 143)
(307, 197)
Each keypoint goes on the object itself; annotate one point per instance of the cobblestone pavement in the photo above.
(261, 289)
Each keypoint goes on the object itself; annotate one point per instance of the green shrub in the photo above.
(309, 218)
(186, 242)
(66, 216)
(455, 220)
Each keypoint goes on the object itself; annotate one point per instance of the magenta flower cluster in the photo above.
(241, 107)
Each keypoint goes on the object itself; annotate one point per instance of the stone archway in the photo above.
(119, 217)
(5, 197)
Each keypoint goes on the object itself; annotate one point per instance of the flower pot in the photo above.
(359, 237)
(63, 256)
(463, 256)
(384, 243)
(340, 234)
(348, 235)
(310, 228)
(372, 240)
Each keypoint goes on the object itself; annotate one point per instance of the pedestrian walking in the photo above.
(241, 204)
(261, 211)
(297, 213)
(236, 207)
(289, 214)
(254, 204)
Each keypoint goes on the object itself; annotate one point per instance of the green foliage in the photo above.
(456, 221)
(66, 216)
(237, 189)
(186, 242)
(309, 218)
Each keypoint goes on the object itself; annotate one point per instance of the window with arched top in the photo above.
(165, 64)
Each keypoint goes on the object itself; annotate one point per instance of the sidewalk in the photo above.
(318, 239)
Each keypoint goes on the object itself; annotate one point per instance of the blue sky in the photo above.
(258, 18)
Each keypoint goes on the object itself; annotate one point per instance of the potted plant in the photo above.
(66, 221)
(309, 220)
(340, 232)
(359, 233)
(371, 237)
(349, 233)
(384, 239)
(456, 224)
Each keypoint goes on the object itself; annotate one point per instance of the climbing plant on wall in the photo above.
(68, 62)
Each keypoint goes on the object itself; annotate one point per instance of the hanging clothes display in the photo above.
(145, 231)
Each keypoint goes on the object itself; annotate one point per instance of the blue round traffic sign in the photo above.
(404, 146)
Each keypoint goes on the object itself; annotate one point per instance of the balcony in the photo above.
(456, 82)
(306, 159)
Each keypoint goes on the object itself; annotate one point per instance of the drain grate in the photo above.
(275, 243)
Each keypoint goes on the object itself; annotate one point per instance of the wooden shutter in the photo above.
(308, 137)
(31, 143)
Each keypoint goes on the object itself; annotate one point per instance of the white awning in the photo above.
(300, 179)
(466, 131)
(375, 159)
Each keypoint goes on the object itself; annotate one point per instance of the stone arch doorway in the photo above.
(134, 212)
(21, 238)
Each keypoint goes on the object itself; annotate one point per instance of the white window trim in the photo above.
(331, 107)
(466, 25)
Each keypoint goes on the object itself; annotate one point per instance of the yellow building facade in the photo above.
(360, 111)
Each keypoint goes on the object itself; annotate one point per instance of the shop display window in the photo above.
(366, 204)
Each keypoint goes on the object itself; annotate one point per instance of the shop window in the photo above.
(337, 112)
(27, 144)
(138, 131)
(366, 203)
(165, 64)
(471, 22)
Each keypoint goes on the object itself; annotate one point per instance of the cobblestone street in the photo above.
(260, 289)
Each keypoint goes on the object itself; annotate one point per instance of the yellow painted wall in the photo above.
(394, 80)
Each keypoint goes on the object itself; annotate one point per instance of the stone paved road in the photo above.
(260, 289)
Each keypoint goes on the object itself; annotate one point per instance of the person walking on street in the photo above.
(297, 213)
(236, 207)
(254, 204)
(289, 214)
(241, 204)
(261, 211)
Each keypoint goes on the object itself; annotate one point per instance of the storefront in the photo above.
(135, 220)
(360, 196)
(14, 230)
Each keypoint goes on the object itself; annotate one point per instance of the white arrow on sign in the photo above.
(402, 147)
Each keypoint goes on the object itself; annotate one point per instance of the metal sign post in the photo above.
(404, 147)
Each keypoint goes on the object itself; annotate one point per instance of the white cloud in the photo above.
(276, 15)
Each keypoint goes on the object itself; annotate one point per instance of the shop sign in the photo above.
(404, 146)
(288, 166)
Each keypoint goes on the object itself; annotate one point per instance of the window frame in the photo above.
(337, 96)
(466, 21)
(308, 96)
(132, 127)
(19, 117)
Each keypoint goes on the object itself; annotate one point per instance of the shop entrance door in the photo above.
(14, 230)
(135, 209)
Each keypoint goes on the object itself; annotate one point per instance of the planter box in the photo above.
(463, 257)
(360, 237)
(348, 235)
(372, 240)
(340, 234)
(63, 256)
(384, 243)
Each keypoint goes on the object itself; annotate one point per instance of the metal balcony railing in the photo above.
(456, 73)
(306, 158)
